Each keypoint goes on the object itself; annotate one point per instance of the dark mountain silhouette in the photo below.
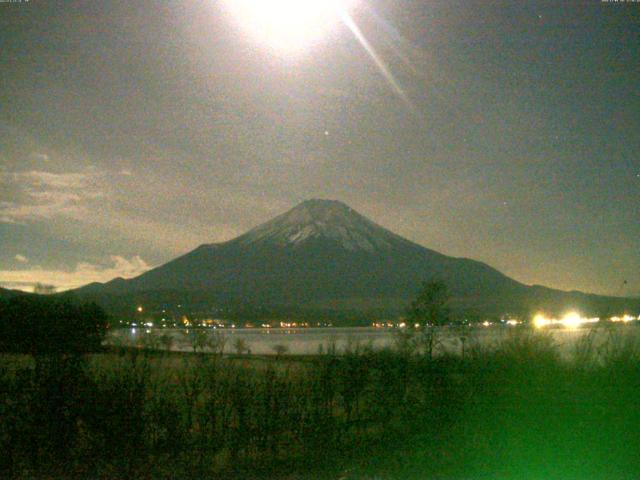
(6, 293)
(322, 254)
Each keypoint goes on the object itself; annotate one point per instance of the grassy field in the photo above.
(516, 412)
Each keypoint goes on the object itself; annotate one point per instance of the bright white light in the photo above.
(541, 321)
(572, 319)
(288, 25)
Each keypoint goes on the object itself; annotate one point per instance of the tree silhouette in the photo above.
(280, 350)
(167, 341)
(429, 308)
(43, 289)
(240, 346)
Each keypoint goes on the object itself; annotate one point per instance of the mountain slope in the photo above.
(323, 254)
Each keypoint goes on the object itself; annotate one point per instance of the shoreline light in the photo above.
(540, 321)
(571, 319)
(625, 318)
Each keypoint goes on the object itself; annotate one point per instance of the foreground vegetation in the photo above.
(518, 411)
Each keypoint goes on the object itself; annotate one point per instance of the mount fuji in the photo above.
(322, 254)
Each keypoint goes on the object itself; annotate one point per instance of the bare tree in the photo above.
(240, 345)
(200, 340)
(167, 341)
(429, 310)
(151, 341)
(43, 289)
(217, 342)
(280, 350)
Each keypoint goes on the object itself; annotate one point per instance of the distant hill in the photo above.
(324, 255)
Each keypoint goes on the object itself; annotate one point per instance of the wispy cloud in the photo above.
(36, 178)
(82, 274)
(44, 195)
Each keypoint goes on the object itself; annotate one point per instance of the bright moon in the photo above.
(288, 25)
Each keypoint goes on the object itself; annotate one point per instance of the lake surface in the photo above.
(310, 341)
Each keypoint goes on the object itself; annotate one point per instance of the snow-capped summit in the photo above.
(323, 219)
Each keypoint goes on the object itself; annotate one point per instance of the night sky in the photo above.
(507, 132)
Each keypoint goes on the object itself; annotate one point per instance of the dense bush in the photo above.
(517, 411)
(39, 325)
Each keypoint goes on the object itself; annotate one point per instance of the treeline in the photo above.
(38, 324)
(517, 411)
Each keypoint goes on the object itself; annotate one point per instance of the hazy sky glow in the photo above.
(131, 132)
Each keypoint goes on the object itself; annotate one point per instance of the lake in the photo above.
(310, 341)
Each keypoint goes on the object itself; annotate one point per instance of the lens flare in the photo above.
(288, 25)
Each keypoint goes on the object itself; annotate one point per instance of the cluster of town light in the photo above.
(624, 318)
(571, 319)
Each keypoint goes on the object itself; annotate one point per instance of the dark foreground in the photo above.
(519, 412)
